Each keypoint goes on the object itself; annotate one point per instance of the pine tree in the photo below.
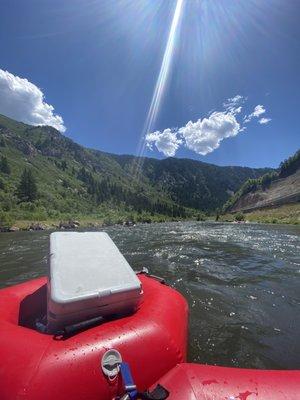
(27, 188)
(64, 165)
(4, 166)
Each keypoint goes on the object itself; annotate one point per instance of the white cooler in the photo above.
(88, 278)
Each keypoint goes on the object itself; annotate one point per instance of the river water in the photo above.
(242, 283)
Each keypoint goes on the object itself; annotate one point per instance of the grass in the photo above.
(285, 214)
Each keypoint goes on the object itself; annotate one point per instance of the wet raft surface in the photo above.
(242, 283)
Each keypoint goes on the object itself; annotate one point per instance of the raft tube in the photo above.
(204, 382)
(37, 365)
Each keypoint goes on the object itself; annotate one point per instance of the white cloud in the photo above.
(23, 101)
(264, 121)
(204, 136)
(257, 112)
(234, 101)
(234, 104)
(237, 110)
(166, 142)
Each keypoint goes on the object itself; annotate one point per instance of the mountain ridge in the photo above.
(73, 179)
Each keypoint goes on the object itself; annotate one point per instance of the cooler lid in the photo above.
(87, 265)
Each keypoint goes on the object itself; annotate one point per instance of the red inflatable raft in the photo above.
(39, 366)
(153, 340)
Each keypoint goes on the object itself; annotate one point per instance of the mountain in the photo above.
(192, 183)
(73, 180)
(273, 189)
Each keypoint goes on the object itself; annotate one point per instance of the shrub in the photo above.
(239, 217)
(6, 221)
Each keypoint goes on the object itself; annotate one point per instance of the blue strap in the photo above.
(130, 386)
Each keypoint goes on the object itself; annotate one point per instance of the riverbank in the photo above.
(286, 214)
(89, 222)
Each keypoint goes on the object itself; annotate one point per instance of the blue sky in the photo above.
(96, 62)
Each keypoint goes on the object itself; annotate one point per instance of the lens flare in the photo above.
(161, 80)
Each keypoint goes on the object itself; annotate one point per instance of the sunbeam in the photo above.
(161, 81)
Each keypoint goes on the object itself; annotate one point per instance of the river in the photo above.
(242, 283)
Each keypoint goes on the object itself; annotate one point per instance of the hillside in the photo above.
(192, 183)
(282, 191)
(271, 190)
(73, 180)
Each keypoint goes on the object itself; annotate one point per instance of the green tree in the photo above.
(64, 165)
(2, 185)
(27, 188)
(4, 166)
(289, 166)
(239, 217)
